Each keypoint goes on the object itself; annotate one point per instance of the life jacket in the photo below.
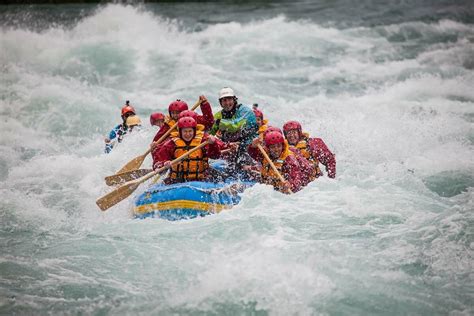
(262, 129)
(303, 147)
(194, 166)
(169, 121)
(121, 131)
(268, 175)
(200, 128)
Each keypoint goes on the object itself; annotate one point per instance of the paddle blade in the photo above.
(133, 164)
(126, 176)
(117, 195)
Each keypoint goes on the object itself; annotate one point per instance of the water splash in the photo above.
(393, 102)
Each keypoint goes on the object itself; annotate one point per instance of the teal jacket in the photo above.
(239, 126)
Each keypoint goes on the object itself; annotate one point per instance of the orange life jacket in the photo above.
(262, 129)
(268, 175)
(303, 147)
(194, 166)
(169, 121)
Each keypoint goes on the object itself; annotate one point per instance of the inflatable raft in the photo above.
(187, 200)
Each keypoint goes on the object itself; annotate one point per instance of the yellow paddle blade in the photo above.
(133, 164)
(127, 188)
(116, 196)
(126, 176)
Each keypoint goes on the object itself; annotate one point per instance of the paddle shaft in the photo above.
(272, 165)
(126, 176)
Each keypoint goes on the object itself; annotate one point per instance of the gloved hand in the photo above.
(211, 139)
(203, 99)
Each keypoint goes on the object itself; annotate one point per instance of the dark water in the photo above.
(198, 14)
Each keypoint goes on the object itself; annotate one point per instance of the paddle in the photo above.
(156, 179)
(264, 153)
(126, 176)
(122, 192)
(136, 162)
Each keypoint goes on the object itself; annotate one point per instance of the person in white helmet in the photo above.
(235, 123)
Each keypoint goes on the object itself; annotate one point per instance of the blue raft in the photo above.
(186, 200)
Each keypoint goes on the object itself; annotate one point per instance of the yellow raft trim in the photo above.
(169, 205)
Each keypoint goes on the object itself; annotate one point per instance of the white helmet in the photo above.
(226, 92)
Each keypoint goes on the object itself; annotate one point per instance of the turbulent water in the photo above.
(389, 87)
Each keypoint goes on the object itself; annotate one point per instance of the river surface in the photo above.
(388, 85)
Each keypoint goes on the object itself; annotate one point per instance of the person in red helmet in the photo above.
(178, 106)
(127, 110)
(174, 108)
(259, 117)
(286, 162)
(254, 169)
(261, 122)
(195, 167)
(313, 149)
(200, 119)
(119, 131)
(272, 129)
(157, 119)
(189, 113)
(293, 149)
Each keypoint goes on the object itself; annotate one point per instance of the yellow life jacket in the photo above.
(303, 147)
(268, 175)
(193, 167)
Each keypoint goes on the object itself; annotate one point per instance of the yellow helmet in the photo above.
(133, 120)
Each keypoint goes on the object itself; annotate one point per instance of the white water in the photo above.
(392, 234)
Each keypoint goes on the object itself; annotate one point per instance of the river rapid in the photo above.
(388, 86)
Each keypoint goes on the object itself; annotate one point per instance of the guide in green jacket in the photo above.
(235, 123)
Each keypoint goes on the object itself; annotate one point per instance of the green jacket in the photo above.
(241, 127)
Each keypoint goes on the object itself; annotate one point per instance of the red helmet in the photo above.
(186, 122)
(258, 113)
(155, 117)
(128, 109)
(291, 125)
(272, 129)
(273, 138)
(189, 113)
(178, 106)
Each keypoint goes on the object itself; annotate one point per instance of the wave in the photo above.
(394, 102)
